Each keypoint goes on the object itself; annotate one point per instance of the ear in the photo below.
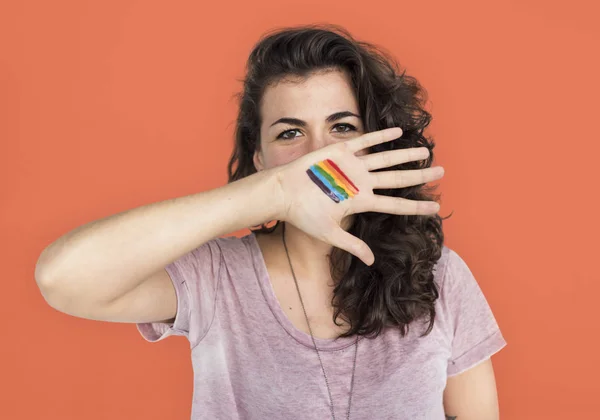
(258, 163)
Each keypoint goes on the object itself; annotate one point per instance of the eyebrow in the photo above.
(301, 123)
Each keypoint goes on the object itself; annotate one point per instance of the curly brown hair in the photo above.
(398, 288)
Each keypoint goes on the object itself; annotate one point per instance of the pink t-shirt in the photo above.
(251, 362)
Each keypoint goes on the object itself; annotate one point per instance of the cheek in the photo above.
(283, 156)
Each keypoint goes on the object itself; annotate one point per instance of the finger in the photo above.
(401, 206)
(406, 178)
(373, 138)
(350, 243)
(393, 157)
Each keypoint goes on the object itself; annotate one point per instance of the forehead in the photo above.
(319, 93)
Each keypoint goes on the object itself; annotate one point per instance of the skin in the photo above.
(470, 395)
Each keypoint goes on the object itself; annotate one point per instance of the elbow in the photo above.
(47, 283)
(49, 292)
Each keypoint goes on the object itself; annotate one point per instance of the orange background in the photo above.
(110, 105)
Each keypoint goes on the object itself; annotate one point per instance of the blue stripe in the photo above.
(327, 183)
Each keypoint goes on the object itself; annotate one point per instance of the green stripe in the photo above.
(325, 173)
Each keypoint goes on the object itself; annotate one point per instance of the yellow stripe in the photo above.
(338, 178)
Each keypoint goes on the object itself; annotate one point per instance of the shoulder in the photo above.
(227, 244)
(212, 255)
(459, 290)
(440, 268)
(450, 266)
(237, 250)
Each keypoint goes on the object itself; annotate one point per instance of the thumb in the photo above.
(350, 243)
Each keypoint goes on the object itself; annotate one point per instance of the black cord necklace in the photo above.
(313, 338)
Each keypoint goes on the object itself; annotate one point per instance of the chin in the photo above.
(347, 222)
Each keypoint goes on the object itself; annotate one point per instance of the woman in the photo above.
(350, 306)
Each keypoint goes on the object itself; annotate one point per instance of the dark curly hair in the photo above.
(398, 288)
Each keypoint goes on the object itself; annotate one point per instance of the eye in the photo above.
(349, 126)
(283, 134)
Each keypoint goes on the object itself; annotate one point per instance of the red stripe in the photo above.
(338, 177)
(341, 173)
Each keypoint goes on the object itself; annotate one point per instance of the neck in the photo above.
(309, 255)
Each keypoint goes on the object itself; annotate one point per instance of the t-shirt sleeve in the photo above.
(195, 276)
(473, 327)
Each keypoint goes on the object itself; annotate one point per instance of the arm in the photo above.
(472, 395)
(125, 254)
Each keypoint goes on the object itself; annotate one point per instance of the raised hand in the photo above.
(322, 187)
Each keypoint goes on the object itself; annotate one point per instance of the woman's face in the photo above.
(295, 118)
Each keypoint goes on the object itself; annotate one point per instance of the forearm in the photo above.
(111, 256)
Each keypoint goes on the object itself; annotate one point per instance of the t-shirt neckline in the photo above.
(327, 344)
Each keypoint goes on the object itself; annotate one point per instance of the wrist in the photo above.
(274, 193)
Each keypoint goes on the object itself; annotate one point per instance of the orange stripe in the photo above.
(339, 187)
(338, 178)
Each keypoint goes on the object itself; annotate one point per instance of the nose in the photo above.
(319, 140)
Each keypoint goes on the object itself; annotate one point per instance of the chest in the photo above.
(394, 377)
(317, 303)
(316, 294)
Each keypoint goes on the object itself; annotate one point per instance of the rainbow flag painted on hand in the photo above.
(332, 180)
